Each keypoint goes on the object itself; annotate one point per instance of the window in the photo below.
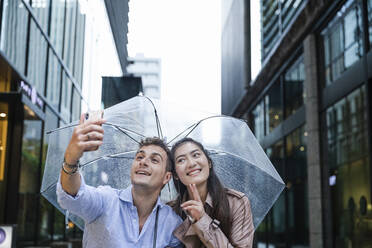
(369, 4)
(258, 116)
(273, 107)
(69, 36)
(297, 197)
(294, 87)
(53, 80)
(76, 105)
(40, 8)
(56, 25)
(342, 41)
(37, 58)
(29, 177)
(349, 170)
(79, 47)
(66, 97)
(14, 32)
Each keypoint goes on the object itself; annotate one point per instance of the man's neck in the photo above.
(144, 200)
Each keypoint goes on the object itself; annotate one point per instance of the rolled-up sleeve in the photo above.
(241, 228)
(87, 204)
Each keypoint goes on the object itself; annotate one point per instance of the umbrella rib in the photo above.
(181, 133)
(123, 128)
(89, 162)
(61, 128)
(158, 126)
(193, 126)
(124, 132)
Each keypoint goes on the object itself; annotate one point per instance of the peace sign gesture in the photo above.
(194, 207)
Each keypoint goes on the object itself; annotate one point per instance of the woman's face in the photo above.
(191, 164)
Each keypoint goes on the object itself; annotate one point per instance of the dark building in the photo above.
(235, 45)
(118, 89)
(310, 108)
(41, 74)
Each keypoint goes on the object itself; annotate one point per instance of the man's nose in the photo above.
(143, 162)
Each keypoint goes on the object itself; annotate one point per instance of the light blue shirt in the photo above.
(111, 219)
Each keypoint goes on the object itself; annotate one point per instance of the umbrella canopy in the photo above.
(239, 160)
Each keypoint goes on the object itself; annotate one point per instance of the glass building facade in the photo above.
(311, 111)
(286, 224)
(41, 73)
(276, 17)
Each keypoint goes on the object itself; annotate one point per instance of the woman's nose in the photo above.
(191, 163)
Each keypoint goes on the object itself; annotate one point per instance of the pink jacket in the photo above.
(206, 232)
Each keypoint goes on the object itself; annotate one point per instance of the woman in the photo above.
(213, 216)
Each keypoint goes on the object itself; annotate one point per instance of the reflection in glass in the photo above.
(14, 33)
(273, 107)
(56, 25)
(276, 217)
(258, 116)
(342, 41)
(76, 106)
(54, 80)
(29, 177)
(369, 4)
(40, 8)
(66, 97)
(3, 148)
(69, 37)
(79, 49)
(296, 173)
(46, 209)
(37, 58)
(349, 169)
(294, 87)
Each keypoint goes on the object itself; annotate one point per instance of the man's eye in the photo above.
(155, 161)
(196, 154)
(139, 157)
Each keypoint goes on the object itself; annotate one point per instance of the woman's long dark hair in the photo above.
(221, 208)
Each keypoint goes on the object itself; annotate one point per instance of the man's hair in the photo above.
(158, 142)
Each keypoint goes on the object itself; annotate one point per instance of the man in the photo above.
(133, 217)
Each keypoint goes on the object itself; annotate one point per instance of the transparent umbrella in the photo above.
(239, 160)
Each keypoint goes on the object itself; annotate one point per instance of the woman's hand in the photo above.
(195, 206)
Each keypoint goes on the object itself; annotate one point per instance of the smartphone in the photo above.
(93, 115)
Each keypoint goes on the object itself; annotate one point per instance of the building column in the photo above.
(311, 102)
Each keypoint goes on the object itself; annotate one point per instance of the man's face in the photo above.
(149, 167)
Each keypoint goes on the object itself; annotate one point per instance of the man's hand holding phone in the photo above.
(87, 136)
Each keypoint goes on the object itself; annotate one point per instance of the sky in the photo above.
(186, 36)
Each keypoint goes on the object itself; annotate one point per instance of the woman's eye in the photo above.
(180, 160)
(155, 161)
(196, 155)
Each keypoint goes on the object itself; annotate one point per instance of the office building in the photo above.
(310, 108)
(44, 54)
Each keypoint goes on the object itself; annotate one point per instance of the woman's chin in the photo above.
(194, 180)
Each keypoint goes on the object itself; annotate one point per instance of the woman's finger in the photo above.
(191, 203)
(195, 193)
(191, 208)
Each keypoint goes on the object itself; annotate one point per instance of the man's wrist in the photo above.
(70, 169)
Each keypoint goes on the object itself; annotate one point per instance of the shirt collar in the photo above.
(126, 195)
